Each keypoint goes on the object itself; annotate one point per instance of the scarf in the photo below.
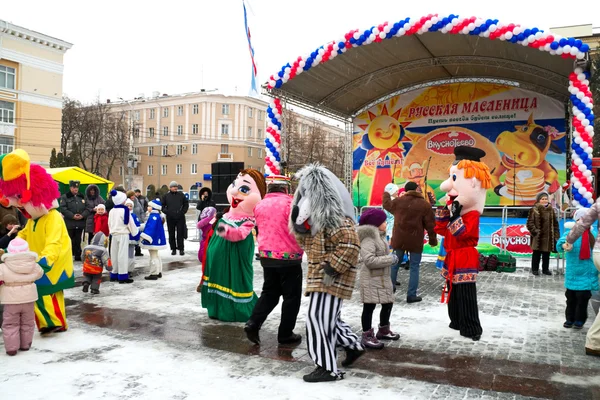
(126, 216)
(587, 244)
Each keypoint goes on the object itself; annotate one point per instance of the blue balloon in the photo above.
(584, 156)
(278, 84)
(571, 41)
(341, 45)
(527, 32)
(521, 37)
(563, 42)
(534, 31)
(514, 39)
(577, 196)
(476, 31)
(554, 45)
(488, 21)
(585, 47)
(578, 43)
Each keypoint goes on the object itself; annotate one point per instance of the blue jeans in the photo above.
(414, 264)
(396, 267)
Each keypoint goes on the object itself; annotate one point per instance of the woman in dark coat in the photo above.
(205, 200)
(542, 224)
(92, 199)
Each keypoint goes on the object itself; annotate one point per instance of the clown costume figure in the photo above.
(33, 191)
(459, 225)
(120, 224)
(323, 221)
(227, 291)
(154, 239)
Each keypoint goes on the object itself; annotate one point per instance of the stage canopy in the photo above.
(366, 75)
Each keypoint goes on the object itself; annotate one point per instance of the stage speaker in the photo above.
(236, 167)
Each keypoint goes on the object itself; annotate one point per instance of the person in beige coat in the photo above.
(18, 294)
(375, 264)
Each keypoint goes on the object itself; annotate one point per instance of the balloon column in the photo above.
(273, 139)
(453, 24)
(582, 144)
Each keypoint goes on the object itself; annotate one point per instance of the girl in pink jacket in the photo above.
(18, 293)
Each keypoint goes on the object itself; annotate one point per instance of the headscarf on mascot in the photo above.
(33, 191)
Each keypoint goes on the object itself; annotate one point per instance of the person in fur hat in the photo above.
(120, 224)
(581, 276)
(154, 239)
(33, 191)
(459, 225)
(542, 223)
(323, 221)
(375, 265)
(18, 294)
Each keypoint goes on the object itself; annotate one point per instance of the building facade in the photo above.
(31, 78)
(179, 137)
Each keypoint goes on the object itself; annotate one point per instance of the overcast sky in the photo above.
(130, 47)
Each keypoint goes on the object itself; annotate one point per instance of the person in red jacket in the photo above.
(458, 223)
(101, 220)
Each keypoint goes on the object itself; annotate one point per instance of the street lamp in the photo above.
(130, 156)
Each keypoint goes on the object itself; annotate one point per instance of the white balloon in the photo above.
(580, 95)
(578, 140)
(559, 51)
(465, 30)
(584, 144)
(586, 82)
(588, 195)
(454, 21)
(587, 173)
(318, 58)
(580, 116)
(582, 167)
(585, 122)
(581, 75)
(575, 203)
(582, 190)
(589, 129)
(547, 47)
(508, 35)
(493, 28)
(356, 35)
(576, 134)
(566, 48)
(372, 37)
(577, 70)
(580, 56)
(375, 31)
(435, 20)
(486, 34)
(539, 35)
(471, 26)
(401, 32)
(387, 28)
(382, 35)
(577, 161)
(577, 185)
(589, 150)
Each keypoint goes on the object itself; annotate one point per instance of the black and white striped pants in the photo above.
(325, 330)
(463, 311)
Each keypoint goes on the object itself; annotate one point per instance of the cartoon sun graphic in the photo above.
(384, 131)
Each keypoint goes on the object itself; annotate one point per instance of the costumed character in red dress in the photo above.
(459, 225)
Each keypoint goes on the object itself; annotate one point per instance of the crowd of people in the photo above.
(318, 223)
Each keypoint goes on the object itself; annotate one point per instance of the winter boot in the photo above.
(385, 333)
(151, 278)
(159, 275)
(320, 374)
(351, 356)
(86, 287)
(294, 338)
(14, 353)
(568, 324)
(251, 330)
(369, 340)
(129, 280)
(578, 325)
(95, 291)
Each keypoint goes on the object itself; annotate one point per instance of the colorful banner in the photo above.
(411, 137)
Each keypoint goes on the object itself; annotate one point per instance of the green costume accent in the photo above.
(227, 290)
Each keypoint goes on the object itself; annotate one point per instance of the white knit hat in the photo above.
(128, 202)
(18, 245)
(100, 206)
(580, 212)
(118, 197)
(155, 204)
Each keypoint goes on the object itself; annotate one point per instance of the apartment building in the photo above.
(31, 78)
(178, 137)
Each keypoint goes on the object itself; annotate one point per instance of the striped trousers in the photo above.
(325, 330)
(463, 311)
(50, 311)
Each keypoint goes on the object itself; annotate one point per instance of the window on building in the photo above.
(150, 151)
(194, 129)
(249, 151)
(250, 112)
(179, 149)
(164, 170)
(150, 170)
(121, 171)
(136, 132)
(194, 169)
(7, 112)
(224, 129)
(260, 153)
(165, 150)
(151, 132)
(6, 145)
(260, 133)
(249, 131)
(260, 115)
(178, 169)
(165, 112)
(225, 109)
(179, 130)
(224, 148)
(165, 131)
(195, 148)
(195, 109)
(152, 113)
(179, 111)
(7, 77)
(136, 115)
(136, 150)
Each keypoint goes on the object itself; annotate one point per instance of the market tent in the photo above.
(66, 174)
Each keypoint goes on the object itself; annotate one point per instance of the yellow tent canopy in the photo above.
(66, 174)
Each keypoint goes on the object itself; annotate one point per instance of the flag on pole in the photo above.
(253, 89)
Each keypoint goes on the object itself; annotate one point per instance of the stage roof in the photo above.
(366, 75)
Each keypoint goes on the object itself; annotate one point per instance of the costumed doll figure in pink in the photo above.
(459, 225)
(227, 291)
(33, 191)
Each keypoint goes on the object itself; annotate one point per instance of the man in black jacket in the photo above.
(174, 206)
(72, 207)
(205, 200)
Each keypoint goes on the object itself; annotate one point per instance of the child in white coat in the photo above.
(120, 224)
(18, 293)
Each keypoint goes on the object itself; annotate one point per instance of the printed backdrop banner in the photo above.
(411, 137)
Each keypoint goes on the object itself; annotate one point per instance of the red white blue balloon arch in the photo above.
(581, 96)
